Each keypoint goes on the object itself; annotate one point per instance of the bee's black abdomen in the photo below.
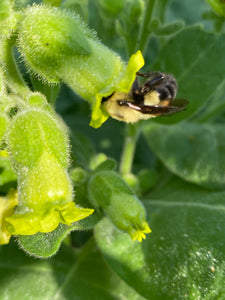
(164, 84)
(167, 88)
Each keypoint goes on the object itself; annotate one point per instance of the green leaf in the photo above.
(190, 11)
(186, 56)
(71, 275)
(219, 6)
(194, 152)
(183, 257)
(168, 29)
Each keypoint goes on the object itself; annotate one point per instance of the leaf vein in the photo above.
(198, 58)
(219, 207)
(66, 281)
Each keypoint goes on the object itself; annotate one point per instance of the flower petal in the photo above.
(139, 234)
(99, 115)
(7, 206)
(46, 220)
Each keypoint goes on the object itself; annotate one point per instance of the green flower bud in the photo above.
(100, 162)
(112, 7)
(33, 133)
(147, 179)
(78, 176)
(137, 9)
(38, 100)
(39, 151)
(218, 6)
(59, 47)
(7, 18)
(49, 37)
(108, 190)
(97, 160)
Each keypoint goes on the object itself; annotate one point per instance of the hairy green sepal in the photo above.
(108, 191)
(38, 148)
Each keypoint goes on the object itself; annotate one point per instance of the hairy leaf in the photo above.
(183, 257)
(69, 275)
(192, 151)
(186, 56)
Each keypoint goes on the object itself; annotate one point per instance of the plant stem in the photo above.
(14, 77)
(144, 32)
(132, 133)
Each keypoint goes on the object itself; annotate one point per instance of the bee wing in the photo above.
(173, 107)
(179, 102)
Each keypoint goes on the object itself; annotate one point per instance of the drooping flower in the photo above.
(38, 148)
(55, 38)
(108, 191)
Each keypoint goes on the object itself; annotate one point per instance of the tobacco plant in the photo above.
(118, 211)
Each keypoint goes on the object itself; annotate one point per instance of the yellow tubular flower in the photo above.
(108, 191)
(38, 147)
(7, 207)
(56, 45)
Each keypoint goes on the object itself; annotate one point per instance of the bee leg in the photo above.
(135, 92)
(153, 77)
(143, 74)
(135, 87)
(154, 80)
(129, 104)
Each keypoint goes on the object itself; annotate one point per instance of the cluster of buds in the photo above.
(38, 147)
(58, 47)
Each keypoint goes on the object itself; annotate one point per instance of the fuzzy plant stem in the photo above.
(144, 32)
(15, 79)
(132, 133)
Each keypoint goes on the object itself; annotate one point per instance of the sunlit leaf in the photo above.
(69, 275)
(186, 56)
(194, 152)
(183, 258)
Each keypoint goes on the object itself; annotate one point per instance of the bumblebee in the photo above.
(153, 98)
